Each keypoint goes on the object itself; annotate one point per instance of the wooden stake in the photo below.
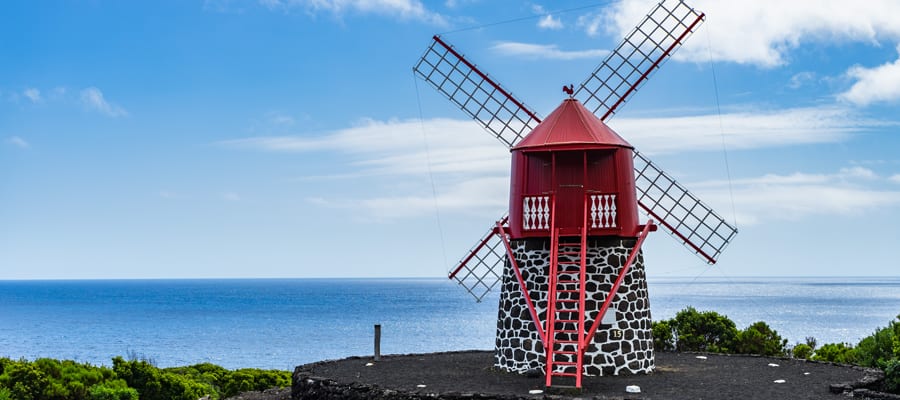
(377, 342)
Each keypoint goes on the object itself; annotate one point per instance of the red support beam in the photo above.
(613, 291)
(515, 266)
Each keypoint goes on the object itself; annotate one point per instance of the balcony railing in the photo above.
(536, 213)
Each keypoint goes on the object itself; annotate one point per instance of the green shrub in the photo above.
(244, 380)
(663, 336)
(703, 331)
(24, 380)
(113, 390)
(876, 349)
(836, 352)
(760, 339)
(892, 376)
(802, 351)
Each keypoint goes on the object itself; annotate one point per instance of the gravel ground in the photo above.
(677, 376)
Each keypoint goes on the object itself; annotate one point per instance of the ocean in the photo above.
(281, 323)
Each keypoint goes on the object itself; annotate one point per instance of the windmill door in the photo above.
(569, 170)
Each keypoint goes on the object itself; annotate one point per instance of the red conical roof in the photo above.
(571, 127)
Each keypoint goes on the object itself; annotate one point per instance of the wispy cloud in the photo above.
(763, 32)
(749, 129)
(18, 142)
(475, 168)
(801, 79)
(895, 178)
(32, 94)
(398, 147)
(544, 51)
(878, 84)
(92, 98)
(547, 21)
(849, 191)
(402, 9)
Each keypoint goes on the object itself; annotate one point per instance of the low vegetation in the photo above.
(49, 379)
(708, 331)
(139, 379)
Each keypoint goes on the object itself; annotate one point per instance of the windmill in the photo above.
(567, 256)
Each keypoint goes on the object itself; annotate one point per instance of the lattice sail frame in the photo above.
(478, 271)
(475, 93)
(639, 55)
(683, 215)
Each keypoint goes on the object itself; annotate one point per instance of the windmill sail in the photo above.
(681, 213)
(481, 269)
(638, 56)
(475, 93)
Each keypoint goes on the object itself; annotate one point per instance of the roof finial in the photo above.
(569, 90)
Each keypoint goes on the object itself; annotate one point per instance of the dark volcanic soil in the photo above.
(677, 376)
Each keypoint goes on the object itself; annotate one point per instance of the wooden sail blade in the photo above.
(473, 91)
(681, 213)
(642, 52)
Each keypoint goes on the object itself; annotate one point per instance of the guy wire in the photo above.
(437, 212)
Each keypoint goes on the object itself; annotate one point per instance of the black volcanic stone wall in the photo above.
(624, 347)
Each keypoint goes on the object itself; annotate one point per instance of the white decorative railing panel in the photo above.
(603, 211)
(535, 213)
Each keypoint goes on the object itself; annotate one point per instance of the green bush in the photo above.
(24, 380)
(759, 338)
(113, 390)
(836, 352)
(663, 336)
(802, 351)
(877, 348)
(892, 376)
(244, 380)
(49, 379)
(703, 331)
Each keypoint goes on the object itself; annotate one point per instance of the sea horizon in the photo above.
(283, 322)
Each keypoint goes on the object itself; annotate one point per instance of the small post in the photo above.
(377, 342)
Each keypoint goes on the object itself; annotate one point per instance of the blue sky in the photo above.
(283, 138)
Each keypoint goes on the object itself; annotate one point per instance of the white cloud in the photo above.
(549, 22)
(403, 9)
(398, 147)
(32, 94)
(895, 178)
(473, 167)
(18, 142)
(762, 32)
(93, 99)
(742, 130)
(849, 191)
(878, 84)
(800, 79)
(544, 51)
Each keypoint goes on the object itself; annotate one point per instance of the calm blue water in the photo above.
(283, 323)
